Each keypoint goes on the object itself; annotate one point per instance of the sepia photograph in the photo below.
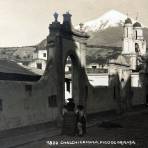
(73, 74)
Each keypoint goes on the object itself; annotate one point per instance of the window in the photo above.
(1, 105)
(70, 69)
(68, 85)
(136, 34)
(52, 101)
(136, 47)
(94, 67)
(39, 65)
(44, 55)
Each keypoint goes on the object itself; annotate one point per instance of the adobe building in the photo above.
(39, 59)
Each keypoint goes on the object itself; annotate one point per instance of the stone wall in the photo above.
(139, 96)
(101, 98)
(27, 103)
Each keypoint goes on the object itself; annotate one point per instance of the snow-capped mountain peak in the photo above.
(111, 18)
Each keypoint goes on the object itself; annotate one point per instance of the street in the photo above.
(128, 131)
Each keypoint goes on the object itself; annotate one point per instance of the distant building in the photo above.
(129, 64)
(38, 64)
(134, 44)
(11, 71)
(40, 54)
(97, 68)
(39, 59)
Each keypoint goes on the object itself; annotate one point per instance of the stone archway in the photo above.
(75, 73)
(64, 41)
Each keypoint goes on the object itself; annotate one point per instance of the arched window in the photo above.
(127, 32)
(136, 34)
(136, 47)
(1, 105)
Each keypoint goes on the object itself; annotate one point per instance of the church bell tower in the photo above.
(134, 45)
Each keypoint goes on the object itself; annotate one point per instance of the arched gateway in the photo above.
(63, 42)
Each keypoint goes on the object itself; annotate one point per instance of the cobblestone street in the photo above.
(130, 128)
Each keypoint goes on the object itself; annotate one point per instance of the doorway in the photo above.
(68, 79)
(71, 79)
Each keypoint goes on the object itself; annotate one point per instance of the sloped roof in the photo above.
(7, 66)
(122, 61)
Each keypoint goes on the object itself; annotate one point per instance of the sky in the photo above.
(25, 22)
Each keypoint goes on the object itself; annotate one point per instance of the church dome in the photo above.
(137, 24)
(128, 21)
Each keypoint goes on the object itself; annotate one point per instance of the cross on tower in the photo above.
(137, 16)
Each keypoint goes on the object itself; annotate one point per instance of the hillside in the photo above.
(101, 45)
(101, 55)
(110, 37)
(17, 53)
(106, 44)
(106, 36)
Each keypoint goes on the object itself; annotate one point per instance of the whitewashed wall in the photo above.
(41, 54)
(22, 108)
(34, 63)
(98, 79)
(135, 80)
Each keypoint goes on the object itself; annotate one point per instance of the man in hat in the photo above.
(69, 118)
(80, 120)
(70, 104)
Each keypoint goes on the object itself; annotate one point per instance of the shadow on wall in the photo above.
(118, 96)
